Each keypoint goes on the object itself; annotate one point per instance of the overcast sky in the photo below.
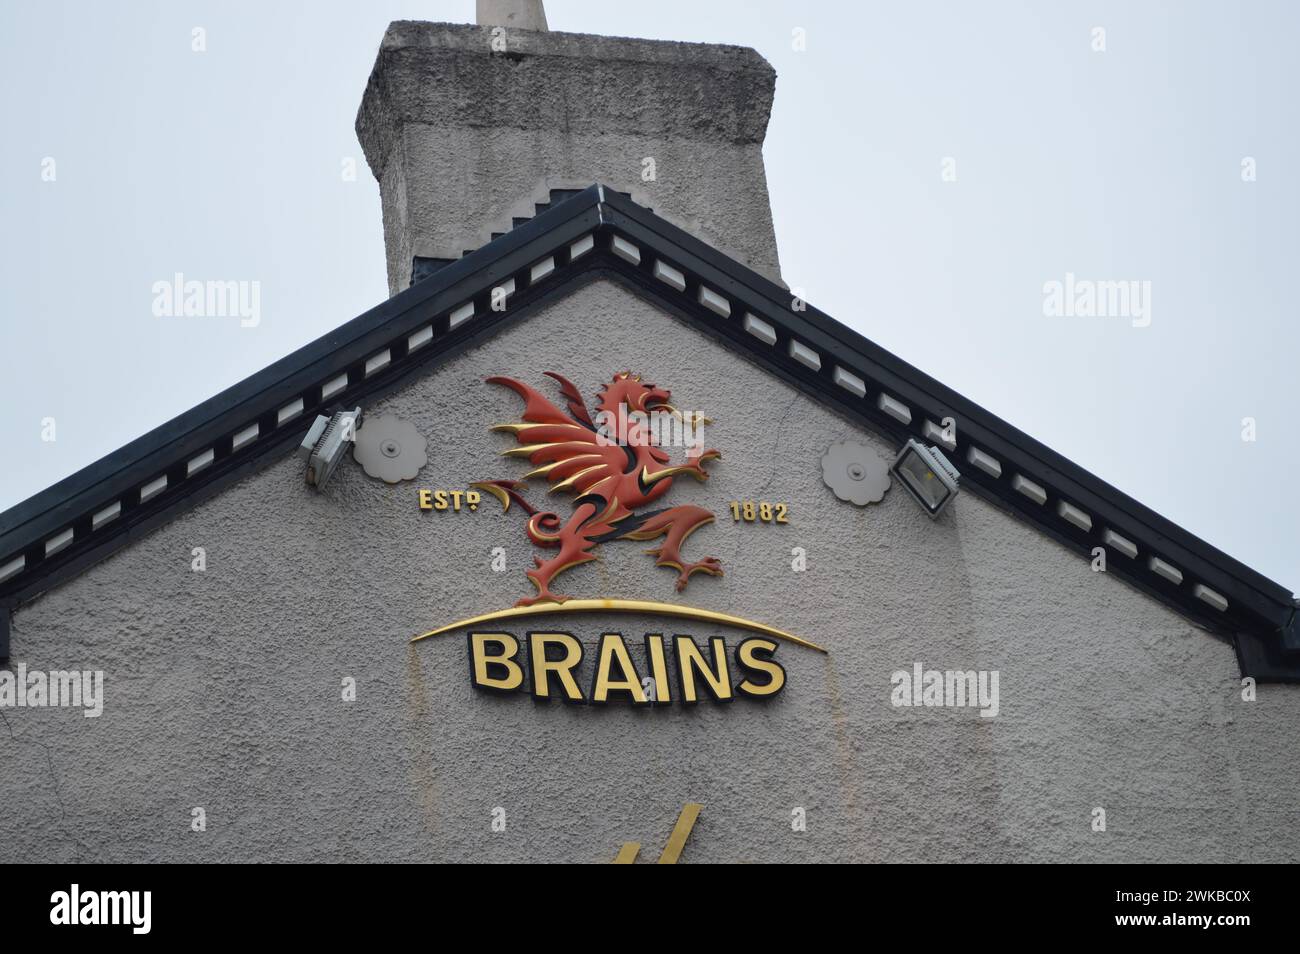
(1122, 164)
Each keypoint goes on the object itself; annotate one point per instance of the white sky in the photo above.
(1120, 165)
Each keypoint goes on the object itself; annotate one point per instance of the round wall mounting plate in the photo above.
(855, 472)
(389, 449)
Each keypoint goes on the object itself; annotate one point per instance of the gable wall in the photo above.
(223, 687)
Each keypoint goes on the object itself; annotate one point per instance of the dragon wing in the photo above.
(564, 448)
(577, 406)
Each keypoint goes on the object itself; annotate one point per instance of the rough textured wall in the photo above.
(462, 138)
(223, 687)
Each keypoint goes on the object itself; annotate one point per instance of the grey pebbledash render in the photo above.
(1119, 690)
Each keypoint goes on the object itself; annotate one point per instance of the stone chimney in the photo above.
(467, 126)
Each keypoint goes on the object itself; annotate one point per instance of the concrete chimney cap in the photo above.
(516, 14)
(445, 74)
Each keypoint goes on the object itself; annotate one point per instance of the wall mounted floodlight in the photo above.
(927, 475)
(325, 443)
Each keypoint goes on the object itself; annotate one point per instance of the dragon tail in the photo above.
(506, 491)
(543, 526)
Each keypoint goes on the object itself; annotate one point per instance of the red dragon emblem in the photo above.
(614, 471)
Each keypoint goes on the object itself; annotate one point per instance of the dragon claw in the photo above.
(542, 598)
(544, 594)
(709, 565)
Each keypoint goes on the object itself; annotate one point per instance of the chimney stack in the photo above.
(466, 127)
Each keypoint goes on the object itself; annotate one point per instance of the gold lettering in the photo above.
(613, 649)
(482, 662)
(755, 655)
(655, 652)
(690, 660)
(543, 666)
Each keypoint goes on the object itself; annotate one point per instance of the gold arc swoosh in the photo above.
(623, 606)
